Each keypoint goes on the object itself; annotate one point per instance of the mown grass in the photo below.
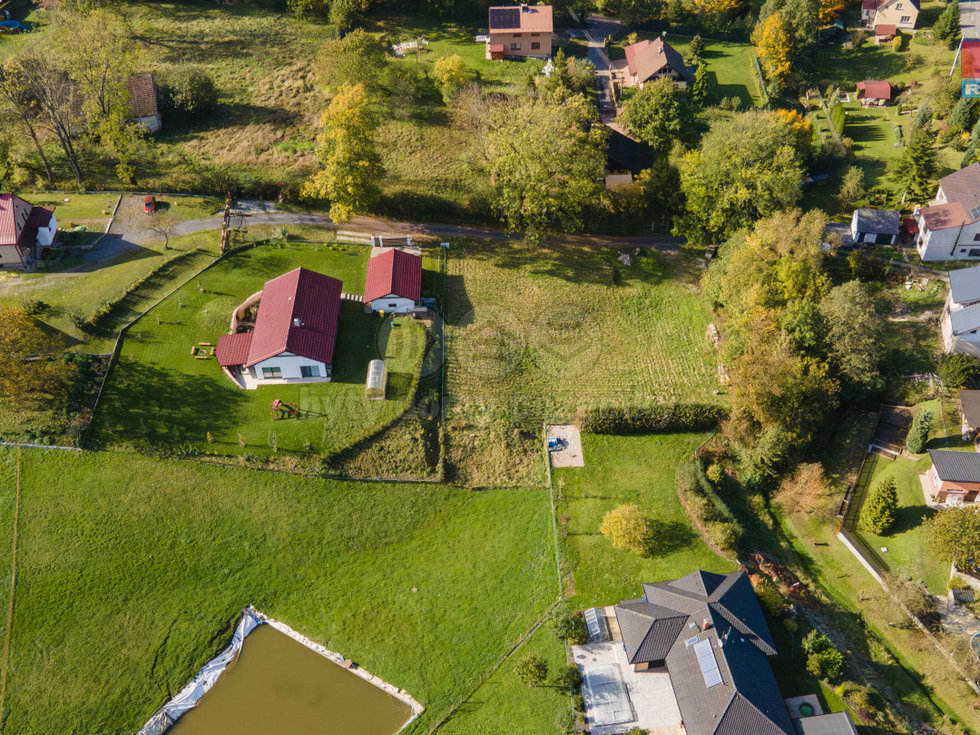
(159, 395)
(624, 471)
(72, 295)
(534, 332)
(133, 570)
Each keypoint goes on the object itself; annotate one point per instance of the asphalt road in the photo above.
(970, 18)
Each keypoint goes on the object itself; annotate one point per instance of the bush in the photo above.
(898, 42)
(569, 677)
(569, 627)
(878, 513)
(707, 507)
(838, 117)
(714, 473)
(823, 660)
(532, 669)
(628, 527)
(187, 94)
(660, 419)
(957, 370)
(919, 433)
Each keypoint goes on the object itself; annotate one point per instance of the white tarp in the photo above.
(188, 697)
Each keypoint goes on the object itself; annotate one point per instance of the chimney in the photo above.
(705, 624)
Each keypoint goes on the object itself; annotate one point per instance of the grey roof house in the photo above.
(875, 226)
(960, 321)
(709, 632)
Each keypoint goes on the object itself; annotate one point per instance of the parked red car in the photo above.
(150, 205)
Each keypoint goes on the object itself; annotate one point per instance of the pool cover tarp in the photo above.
(606, 699)
(188, 697)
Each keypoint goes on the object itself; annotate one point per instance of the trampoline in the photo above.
(605, 697)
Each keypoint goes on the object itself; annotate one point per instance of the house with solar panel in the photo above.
(520, 31)
(394, 282)
(692, 656)
(295, 332)
(949, 227)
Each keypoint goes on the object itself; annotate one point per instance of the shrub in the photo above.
(532, 669)
(957, 370)
(878, 513)
(659, 419)
(823, 660)
(714, 473)
(628, 527)
(919, 433)
(187, 93)
(569, 627)
(898, 42)
(569, 677)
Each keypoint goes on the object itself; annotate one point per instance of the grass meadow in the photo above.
(534, 332)
(158, 394)
(132, 572)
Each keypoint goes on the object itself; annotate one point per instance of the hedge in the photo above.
(658, 419)
(712, 514)
(838, 118)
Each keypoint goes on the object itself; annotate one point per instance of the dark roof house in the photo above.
(298, 314)
(143, 101)
(879, 226)
(953, 466)
(394, 273)
(710, 633)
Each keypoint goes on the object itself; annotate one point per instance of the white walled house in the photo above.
(960, 322)
(394, 282)
(295, 333)
(949, 228)
(24, 229)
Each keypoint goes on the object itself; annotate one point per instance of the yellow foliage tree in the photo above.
(830, 9)
(628, 527)
(717, 7)
(801, 127)
(772, 44)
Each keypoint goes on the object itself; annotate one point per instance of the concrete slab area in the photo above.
(650, 693)
(571, 453)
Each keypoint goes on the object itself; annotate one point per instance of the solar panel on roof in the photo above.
(708, 663)
(501, 18)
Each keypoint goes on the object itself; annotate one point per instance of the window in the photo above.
(517, 35)
(976, 238)
(309, 371)
(392, 306)
(515, 47)
(535, 45)
(272, 372)
(535, 35)
(975, 252)
(899, 6)
(905, 19)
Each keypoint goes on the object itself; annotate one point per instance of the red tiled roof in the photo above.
(874, 89)
(884, 30)
(233, 348)
(10, 234)
(869, 5)
(298, 313)
(970, 56)
(647, 58)
(394, 272)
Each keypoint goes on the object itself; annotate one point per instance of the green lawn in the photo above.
(534, 332)
(907, 552)
(158, 394)
(621, 471)
(132, 572)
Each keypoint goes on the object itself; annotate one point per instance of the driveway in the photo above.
(597, 29)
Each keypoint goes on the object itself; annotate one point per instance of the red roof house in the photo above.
(873, 89)
(520, 31)
(884, 32)
(394, 282)
(295, 332)
(646, 60)
(23, 227)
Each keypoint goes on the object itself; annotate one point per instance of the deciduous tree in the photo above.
(806, 490)
(955, 534)
(532, 669)
(451, 75)
(660, 114)
(851, 187)
(350, 166)
(628, 527)
(853, 333)
(773, 45)
(547, 160)
(357, 58)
